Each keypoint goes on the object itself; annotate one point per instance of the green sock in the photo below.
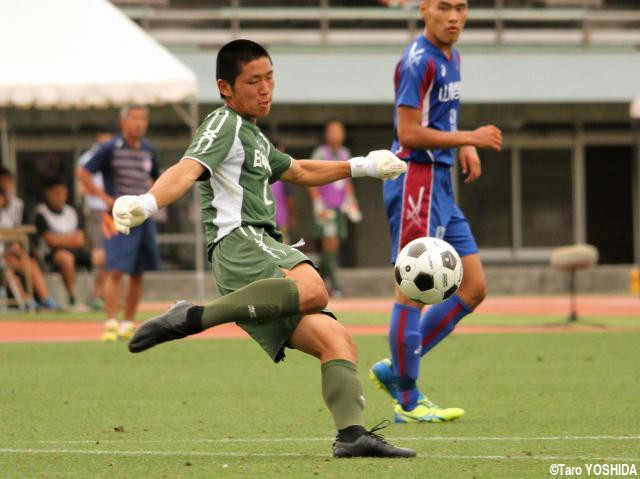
(342, 392)
(328, 266)
(262, 299)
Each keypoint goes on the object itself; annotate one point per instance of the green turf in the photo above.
(221, 409)
(67, 316)
(507, 320)
(383, 318)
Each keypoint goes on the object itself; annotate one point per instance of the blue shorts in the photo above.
(133, 253)
(421, 203)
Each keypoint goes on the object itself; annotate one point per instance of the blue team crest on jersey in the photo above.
(414, 56)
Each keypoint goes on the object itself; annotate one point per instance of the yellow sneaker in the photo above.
(126, 330)
(110, 330)
(422, 413)
(109, 336)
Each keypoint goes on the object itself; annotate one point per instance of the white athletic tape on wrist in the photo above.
(360, 166)
(149, 203)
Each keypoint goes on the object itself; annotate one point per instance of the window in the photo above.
(546, 197)
(487, 202)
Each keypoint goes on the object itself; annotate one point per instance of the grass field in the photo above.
(221, 409)
(348, 317)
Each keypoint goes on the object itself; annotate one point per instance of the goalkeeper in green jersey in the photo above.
(270, 289)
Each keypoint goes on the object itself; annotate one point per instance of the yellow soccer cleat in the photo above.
(381, 374)
(422, 413)
(109, 336)
(110, 330)
(126, 331)
(425, 401)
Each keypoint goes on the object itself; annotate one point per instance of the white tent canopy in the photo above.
(82, 54)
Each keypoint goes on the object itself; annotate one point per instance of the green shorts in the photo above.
(246, 255)
(335, 227)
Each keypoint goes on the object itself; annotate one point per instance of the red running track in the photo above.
(44, 331)
(69, 331)
(516, 305)
(535, 305)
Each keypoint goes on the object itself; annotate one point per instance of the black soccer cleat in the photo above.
(370, 444)
(171, 325)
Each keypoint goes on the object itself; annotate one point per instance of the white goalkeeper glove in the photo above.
(130, 211)
(378, 164)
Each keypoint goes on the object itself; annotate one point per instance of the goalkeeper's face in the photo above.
(252, 91)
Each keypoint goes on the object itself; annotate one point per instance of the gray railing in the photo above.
(326, 25)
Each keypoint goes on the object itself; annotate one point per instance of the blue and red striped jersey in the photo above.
(427, 80)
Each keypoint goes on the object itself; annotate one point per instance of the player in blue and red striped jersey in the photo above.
(421, 201)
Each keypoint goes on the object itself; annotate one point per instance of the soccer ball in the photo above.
(428, 270)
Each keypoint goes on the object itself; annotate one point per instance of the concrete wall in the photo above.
(372, 282)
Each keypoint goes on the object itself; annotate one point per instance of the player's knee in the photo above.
(64, 259)
(315, 296)
(97, 257)
(322, 297)
(342, 345)
(114, 275)
(476, 294)
(347, 340)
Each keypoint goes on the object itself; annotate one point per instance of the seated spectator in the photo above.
(61, 237)
(14, 258)
(13, 210)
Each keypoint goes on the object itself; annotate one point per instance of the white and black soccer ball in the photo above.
(428, 270)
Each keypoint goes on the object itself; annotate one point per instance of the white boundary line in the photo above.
(324, 439)
(297, 454)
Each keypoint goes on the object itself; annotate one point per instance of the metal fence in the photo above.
(328, 23)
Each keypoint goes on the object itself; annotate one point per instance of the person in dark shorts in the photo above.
(270, 289)
(61, 238)
(129, 166)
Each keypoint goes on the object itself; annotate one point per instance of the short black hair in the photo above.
(54, 181)
(233, 55)
(5, 172)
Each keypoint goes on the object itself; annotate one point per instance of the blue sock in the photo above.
(440, 320)
(404, 341)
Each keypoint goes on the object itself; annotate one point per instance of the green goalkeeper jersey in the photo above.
(242, 163)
